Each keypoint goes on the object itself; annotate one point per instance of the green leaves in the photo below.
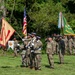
(42, 15)
(45, 15)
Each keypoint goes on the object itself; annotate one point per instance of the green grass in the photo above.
(11, 66)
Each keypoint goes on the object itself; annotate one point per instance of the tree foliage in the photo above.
(42, 15)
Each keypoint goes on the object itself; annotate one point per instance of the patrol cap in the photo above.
(33, 33)
(38, 37)
(29, 34)
(60, 36)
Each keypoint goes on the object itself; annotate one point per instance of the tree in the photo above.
(44, 17)
(14, 15)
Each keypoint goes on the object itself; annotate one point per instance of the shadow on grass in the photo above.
(57, 62)
(47, 66)
(60, 63)
(6, 67)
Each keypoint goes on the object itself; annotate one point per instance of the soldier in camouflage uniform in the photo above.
(70, 45)
(66, 44)
(15, 47)
(37, 47)
(61, 50)
(32, 54)
(50, 51)
(23, 55)
(25, 51)
(28, 49)
(74, 45)
(55, 45)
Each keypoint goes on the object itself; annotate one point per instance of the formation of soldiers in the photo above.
(69, 43)
(60, 45)
(31, 51)
(32, 46)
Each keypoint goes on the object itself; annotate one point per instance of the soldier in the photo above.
(50, 51)
(25, 51)
(23, 55)
(66, 43)
(28, 49)
(74, 45)
(32, 54)
(55, 45)
(70, 45)
(15, 47)
(33, 37)
(61, 50)
(37, 47)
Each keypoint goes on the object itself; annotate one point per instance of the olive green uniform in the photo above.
(50, 51)
(37, 47)
(74, 46)
(32, 54)
(61, 51)
(15, 47)
(66, 45)
(70, 45)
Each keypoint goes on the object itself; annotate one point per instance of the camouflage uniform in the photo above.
(26, 48)
(74, 45)
(28, 51)
(66, 44)
(37, 47)
(23, 55)
(15, 47)
(24, 52)
(32, 54)
(55, 46)
(50, 51)
(61, 50)
(70, 44)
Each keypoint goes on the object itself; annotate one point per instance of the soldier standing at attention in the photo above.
(74, 45)
(50, 51)
(15, 47)
(61, 50)
(37, 47)
(70, 44)
(66, 44)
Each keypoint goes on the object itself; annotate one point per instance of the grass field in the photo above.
(11, 66)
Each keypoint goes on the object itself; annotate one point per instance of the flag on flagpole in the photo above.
(25, 24)
(67, 28)
(64, 26)
(6, 32)
(60, 21)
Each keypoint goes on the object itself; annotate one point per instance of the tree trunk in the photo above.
(2, 9)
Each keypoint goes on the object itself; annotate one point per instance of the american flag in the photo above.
(24, 24)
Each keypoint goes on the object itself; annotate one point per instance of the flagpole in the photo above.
(61, 25)
(18, 34)
(61, 31)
